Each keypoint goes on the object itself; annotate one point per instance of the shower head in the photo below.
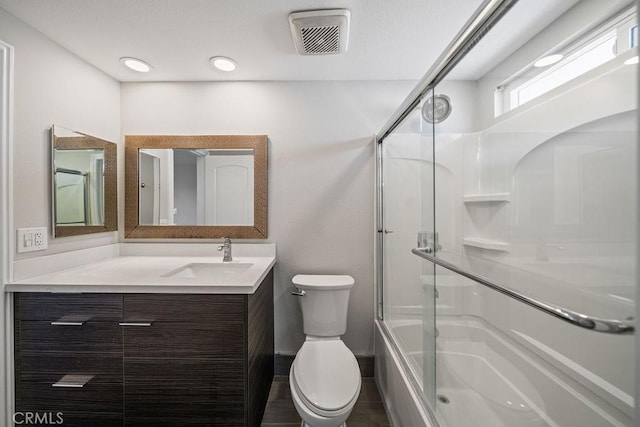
(436, 109)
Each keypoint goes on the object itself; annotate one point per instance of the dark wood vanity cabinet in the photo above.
(153, 359)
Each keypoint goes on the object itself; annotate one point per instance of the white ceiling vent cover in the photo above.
(320, 32)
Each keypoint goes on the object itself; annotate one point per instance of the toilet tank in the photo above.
(325, 303)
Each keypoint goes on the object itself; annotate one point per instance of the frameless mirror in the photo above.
(84, 188)
(196, 186)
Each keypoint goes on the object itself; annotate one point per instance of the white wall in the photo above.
(321, 169)
(52, 86)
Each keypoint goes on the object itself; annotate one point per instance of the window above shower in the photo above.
(612, 38)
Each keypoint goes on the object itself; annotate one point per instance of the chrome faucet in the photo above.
(226, 248)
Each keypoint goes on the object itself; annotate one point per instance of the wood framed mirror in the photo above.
(200, 186)
(84, 183)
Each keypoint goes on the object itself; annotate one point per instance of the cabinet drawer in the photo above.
(52, 307)
(47, 368)
(185, 340)
(184, 308)
(42, 337)
(95, 396)
(183, 392)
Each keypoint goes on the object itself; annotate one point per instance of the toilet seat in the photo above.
(326, 377)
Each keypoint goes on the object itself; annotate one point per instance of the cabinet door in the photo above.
(259, 349)
(68, 358)
(186, 368)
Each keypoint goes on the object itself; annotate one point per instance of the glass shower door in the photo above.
(408, 221)
(539, 199)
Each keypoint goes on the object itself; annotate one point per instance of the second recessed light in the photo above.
(223, 63)
(136, 64)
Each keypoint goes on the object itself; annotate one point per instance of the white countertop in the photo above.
(150, 274)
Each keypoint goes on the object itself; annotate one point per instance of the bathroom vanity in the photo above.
(171, 349)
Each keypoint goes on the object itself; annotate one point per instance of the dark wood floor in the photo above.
(280, 412)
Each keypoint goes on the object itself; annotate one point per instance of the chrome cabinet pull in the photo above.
(135, 323)
(71, 320)
(63, 323)
(72, 381)
(298, 292)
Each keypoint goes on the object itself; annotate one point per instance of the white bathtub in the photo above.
(487, 379)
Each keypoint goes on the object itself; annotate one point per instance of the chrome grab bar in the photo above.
(578, 319)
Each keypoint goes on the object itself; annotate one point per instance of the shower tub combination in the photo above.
(485, 375)
(505, 257)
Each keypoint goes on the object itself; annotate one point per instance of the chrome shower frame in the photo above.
(489, 13)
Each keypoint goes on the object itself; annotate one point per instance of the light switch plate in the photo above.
(32, 239)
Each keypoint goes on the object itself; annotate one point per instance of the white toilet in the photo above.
(324, 377)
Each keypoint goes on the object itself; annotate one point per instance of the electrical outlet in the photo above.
(38, 238)
(32, 239)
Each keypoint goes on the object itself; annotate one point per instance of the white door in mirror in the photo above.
(228, 190)
(32, 239)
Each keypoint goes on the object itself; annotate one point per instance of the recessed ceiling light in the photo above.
(632, 61)
(136, 64)
(223, 63)
(548, 60)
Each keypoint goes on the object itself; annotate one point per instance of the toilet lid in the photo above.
(327, 374)
(326, 282)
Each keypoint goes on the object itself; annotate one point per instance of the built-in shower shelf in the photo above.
(492, 245)
(487, 197)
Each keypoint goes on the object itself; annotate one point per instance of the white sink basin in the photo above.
(212, 272)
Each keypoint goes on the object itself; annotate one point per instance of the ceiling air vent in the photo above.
(320, 32)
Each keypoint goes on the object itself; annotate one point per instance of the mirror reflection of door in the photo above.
(228, 178)
(149, 182)
(70, 196)
(79, 187)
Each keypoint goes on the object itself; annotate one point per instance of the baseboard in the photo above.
(282, 364)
